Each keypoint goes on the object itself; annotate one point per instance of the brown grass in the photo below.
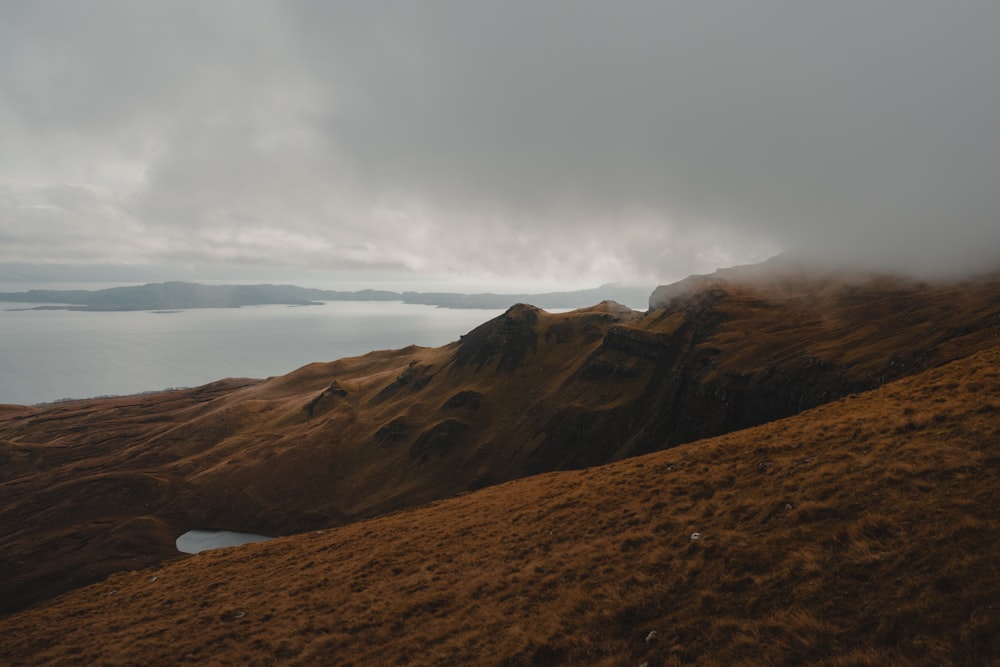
(863, 532)
(88, 488)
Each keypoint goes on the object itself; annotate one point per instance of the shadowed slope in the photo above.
(863, 532)
(91, 487)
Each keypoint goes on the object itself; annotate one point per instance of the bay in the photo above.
(49, 355)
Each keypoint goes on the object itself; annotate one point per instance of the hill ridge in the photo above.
(93, 487)
(860, 532)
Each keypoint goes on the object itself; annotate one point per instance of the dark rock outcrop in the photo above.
(505, 340)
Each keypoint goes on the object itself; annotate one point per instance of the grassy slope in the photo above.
(863, 532)
(93, 487)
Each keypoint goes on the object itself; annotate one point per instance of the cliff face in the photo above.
(92, 487)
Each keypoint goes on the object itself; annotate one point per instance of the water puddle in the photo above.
(195, 541)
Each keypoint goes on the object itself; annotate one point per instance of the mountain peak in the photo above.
(505, 339)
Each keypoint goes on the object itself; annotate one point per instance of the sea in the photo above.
(52, 355)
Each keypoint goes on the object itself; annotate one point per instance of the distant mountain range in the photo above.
(184, 295)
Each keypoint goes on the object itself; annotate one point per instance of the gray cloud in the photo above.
(580, 141)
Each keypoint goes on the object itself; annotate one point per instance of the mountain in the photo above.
(90, 488)
(862, 532)
(183, 295)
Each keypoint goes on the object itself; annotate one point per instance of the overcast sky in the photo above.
(557, 143)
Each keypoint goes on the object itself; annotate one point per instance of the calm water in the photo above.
(196, 541)
(50, 355)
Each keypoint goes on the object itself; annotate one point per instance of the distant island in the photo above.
(183, 295)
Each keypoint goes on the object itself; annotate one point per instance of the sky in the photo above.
(520, 143)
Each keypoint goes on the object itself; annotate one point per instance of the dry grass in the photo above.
(92, 487)
(863, 532)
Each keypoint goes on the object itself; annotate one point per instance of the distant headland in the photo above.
(184, 295)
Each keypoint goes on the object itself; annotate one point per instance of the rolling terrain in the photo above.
(90, 488)
(862, 532)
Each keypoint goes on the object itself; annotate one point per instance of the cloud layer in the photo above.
(573, 141)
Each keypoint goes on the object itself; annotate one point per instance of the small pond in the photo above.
(195, 541)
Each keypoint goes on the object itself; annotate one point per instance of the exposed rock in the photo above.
(470, 400)
(392, 433)
(506, 340)
(439, 440)
(414, 378)
(325, 399)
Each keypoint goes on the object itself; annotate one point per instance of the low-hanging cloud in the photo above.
(567, 140)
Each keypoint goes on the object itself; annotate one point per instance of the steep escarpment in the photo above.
(526, 393)
(721, 355)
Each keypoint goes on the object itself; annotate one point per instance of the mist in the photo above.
(568, 143)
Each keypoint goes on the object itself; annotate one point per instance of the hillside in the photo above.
(88, 488)
(862, 532)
